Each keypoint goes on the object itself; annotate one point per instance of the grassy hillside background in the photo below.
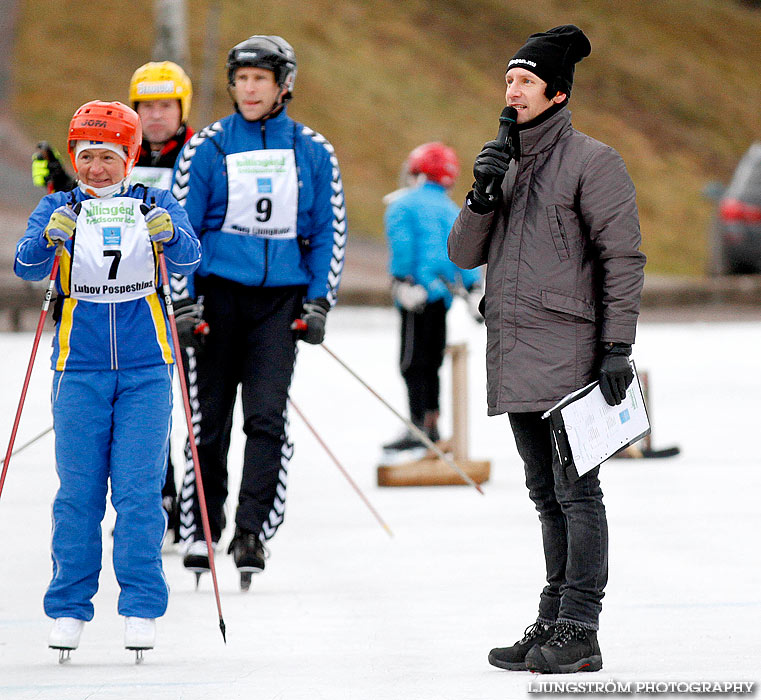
(673, 85)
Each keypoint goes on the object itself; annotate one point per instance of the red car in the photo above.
(736, 234)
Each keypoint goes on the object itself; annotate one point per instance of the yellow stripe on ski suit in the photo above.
(160, 325)
(64, 332)
(65, 272)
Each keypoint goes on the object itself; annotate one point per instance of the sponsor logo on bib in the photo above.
(112, 235)
(116, 213)
(261, 163)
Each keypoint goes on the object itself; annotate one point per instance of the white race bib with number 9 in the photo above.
(112, 260)
(262, 193)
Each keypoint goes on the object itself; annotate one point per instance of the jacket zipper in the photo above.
(266, 240)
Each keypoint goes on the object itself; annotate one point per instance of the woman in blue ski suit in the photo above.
(112, 357)
(417, 223)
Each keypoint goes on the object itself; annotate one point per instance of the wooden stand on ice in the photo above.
(644, 448)
(430, 470)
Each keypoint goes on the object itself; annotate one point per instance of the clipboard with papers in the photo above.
(587, 431)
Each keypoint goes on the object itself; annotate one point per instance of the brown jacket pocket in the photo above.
(555, 301)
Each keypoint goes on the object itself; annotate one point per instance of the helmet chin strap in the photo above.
(103, 192)
(274, 110)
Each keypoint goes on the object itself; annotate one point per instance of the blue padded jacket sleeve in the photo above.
(400, 236)
(193, 173)
(34, 260)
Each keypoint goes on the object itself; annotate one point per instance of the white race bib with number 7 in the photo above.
(262, 193)
(112, 260)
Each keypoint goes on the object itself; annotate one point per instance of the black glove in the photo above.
(191, 328)
(314, 316)
(615, 372)
(490, 166)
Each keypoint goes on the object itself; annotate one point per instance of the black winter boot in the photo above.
(248, 551)
(406, 441)
(514, 658)
(571, 648)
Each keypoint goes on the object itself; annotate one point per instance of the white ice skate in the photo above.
(139, 634)
(196, 558)
(65, 636)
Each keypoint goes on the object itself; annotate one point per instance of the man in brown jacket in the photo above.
(556, 222)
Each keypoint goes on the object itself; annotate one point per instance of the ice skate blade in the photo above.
(198, 570)
(64, 655)
(245, 580)
(138, 653)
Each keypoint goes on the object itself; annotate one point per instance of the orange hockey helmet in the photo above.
(108, 122)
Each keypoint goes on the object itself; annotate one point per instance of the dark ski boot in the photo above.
(249, 555)
(197, 559)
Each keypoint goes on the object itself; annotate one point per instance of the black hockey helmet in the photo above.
(269, 52)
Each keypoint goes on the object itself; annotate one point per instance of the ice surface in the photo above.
(344, 611)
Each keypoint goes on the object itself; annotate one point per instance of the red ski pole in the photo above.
(40, 324)
(191, 436)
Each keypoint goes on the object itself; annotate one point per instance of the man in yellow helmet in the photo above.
(160, 92)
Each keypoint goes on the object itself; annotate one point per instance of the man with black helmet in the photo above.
(556, 222)
(265, 195)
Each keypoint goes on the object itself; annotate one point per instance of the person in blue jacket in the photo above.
(417, 222)
(265, 195)
(112, 361)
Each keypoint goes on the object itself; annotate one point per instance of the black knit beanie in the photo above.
(552, 55)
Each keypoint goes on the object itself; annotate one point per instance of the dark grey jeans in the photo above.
(574, 526)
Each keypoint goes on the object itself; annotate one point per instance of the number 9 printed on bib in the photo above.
(272, 211)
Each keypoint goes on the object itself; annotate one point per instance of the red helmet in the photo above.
(111, 122)
(436, 161)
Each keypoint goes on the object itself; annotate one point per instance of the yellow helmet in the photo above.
(162, 80)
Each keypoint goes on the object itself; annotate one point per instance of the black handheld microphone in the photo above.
(508, 137)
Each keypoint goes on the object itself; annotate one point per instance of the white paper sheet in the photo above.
(596, 430)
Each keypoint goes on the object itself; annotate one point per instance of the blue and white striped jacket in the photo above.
(314, 259)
